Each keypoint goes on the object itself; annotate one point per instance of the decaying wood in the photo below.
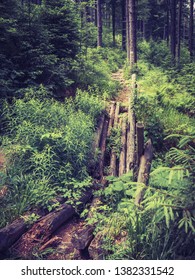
(116, 114)
(111, 118)
(11, 233)
(130, 161)
(144, 171)
(103, 148)
(95, 249)
(140, 141)
(98, 133)
(41, 230)
(122, 159)
(113, 157)
(83, 237)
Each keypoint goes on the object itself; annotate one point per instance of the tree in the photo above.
(179, 30)
(99, 23)
(131, 32)
(173, 28)
(191, 28)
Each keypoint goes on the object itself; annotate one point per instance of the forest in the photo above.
(97, 130)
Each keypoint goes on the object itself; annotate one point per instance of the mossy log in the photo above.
(131, 152)
(42, 229)
(122, 158)
(144, 171)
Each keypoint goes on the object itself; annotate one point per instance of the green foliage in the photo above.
(38, 45)
(153, 231)
(114, 141)
(48, 146)
(95, 70)
(156, 53)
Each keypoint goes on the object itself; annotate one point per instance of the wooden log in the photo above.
(103, 148)
(113, 157)
(130, 161)
(42, 229)
(140, 141)
(122, 158)
(98, 133)
(11, 233)
(83, 237)
(95, 249)
(144, 171)
(111, 117)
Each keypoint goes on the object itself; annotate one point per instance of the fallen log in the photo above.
(122, 158)
(111, 118)
(130, 161)
(113, 157)
(140, 142)
(83, 237)
(95, 249)
(103, 149)
(11, 233)
(16, 232)
(144, 171)
(98, 133)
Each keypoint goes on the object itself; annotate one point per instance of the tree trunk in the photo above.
(179, 31)
(168, 25)
(144, 171)
(173, 28)
(191, 29)
(127, 31)
(99, 23)
(132, 33)
(123, 7)
(113, 21)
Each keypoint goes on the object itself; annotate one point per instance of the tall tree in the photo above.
(179, 30)
(99, 23)
(123, 9)
(191, 28)
(132, 32)
(113, 21)
(173, 28)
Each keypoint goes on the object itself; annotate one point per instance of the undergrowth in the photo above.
(48, 149)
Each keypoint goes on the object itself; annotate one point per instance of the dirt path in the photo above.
(123, 95)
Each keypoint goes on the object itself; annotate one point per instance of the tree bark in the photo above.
(140, 141)
(191, 29)
(111, 117)
(123, 7)
(113, 158)
(41, 230)
(132, 33)
(122, 159)
(131, 129)
(99, 23)
(173, 28)
(179, 31)
(113, 21)
(144, 171)
(11, 233)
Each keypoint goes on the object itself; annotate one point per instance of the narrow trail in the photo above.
(59, 244)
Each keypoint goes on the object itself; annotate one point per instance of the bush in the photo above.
(48, 145)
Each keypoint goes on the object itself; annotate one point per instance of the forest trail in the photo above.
(123, 95)
(59, 243)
